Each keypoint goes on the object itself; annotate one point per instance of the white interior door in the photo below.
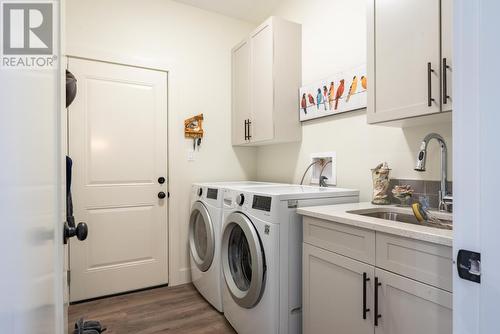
(476, 158)
(118, 143)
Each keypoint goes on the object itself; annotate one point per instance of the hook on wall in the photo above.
(193, 128)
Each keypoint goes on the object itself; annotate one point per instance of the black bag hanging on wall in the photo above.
(70, 88)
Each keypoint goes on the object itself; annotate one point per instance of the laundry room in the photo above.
(237, 166)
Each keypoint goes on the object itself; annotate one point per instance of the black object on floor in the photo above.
(88, 327)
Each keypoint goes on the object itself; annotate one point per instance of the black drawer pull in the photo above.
(377, 315)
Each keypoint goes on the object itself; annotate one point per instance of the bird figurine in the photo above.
(352, 89)
(325, 96)
(303, 103)
(363, 82)
(311, 99)
(340, 91)
(319, 98)
(331, 95)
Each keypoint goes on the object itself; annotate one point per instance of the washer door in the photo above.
(243, 260)
(201, 236)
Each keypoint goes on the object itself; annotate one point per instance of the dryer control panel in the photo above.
(261, 203)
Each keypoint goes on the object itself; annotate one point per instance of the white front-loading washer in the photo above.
(204, 237)
(261, 254)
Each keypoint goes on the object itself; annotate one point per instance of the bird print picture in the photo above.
(342, 92)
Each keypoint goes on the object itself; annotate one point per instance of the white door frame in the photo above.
(167, 67)
(476, 157)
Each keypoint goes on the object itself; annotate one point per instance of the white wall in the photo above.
(194, 45)
(334, 38)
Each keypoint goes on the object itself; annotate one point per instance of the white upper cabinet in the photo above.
(447, 49)
(266, 77)
(407, 43)
(261, 125)
(241, 91)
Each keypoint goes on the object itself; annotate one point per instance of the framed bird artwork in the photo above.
(342, 92)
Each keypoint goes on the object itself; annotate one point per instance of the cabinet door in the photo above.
(262, 127)
(446, 50)
(404, 37)
(333, 293)
(409, 307)
(241, 92)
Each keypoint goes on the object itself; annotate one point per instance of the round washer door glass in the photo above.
(240, 258)
(243, 260)
(201, 236)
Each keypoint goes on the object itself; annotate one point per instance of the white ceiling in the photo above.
(249, 10)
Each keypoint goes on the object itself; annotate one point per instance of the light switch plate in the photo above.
(330, 170)
(190, 155)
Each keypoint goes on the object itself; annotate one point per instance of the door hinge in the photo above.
(469, 265)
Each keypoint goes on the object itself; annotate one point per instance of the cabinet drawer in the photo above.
(353, 242)
(422, 261)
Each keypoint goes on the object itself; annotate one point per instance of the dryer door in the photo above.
(201, 236)
(243, 260)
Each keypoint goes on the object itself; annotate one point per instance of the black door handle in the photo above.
(377, 315)
(249, 135)
(445, 81)
(161, 180)
(365, 310)
(161, 195)
(81, 232)
(429, 84)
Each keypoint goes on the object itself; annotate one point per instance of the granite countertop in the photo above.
(340, 213)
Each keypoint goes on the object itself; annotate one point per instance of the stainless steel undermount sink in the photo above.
(405, 215)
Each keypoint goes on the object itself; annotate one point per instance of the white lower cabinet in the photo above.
(345, 295)
(410, 307)
(333, 293)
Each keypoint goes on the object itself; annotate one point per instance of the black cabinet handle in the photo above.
(445, 82)
(246, 131)
(377, 315)
(429, 84)
(249, 135)
(365, 310)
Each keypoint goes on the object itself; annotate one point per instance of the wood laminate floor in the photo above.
(179, 310)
